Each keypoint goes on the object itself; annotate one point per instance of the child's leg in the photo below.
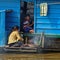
(9, 45)
(31, 31)
(18, 44)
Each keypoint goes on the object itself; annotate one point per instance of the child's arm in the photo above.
(31, 24)
(18, 36)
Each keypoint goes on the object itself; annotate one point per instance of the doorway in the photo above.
(27, 8)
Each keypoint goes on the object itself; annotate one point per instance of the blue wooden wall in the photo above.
(49, 24)
(2, 27)
(9, 19)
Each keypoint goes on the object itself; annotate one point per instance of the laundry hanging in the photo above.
(43, 9)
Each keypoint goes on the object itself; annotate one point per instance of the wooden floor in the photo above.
(46, 56)
(30, 56)
(26, 50)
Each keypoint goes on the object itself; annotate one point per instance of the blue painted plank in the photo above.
(52, 20)
(46, 26)
(2, 29)
(48, 20)
(48, 31)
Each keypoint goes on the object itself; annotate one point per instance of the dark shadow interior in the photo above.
(27, 8)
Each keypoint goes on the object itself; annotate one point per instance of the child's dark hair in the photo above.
(15, 28)
(27, 15)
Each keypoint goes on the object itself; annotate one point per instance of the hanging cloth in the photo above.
(43, 9)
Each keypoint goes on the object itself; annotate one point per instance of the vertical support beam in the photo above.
(2, 28)
(20, 12)
(35, 16)
(42, 39)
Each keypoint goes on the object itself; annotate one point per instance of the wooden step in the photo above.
(51, 49)
(18, 49)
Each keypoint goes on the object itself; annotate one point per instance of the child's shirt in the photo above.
(14, 37)
(26, 26)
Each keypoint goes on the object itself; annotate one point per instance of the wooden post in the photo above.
(26, 40)
(42, 39)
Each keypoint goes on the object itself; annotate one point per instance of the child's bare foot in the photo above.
(30, 45)
(7, 46)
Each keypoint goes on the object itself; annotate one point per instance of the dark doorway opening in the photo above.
(27, 8)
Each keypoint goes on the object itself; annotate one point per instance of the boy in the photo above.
(27, 25)
(14, 38)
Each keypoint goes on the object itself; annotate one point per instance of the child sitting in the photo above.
(26, 25)
(14, 38)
